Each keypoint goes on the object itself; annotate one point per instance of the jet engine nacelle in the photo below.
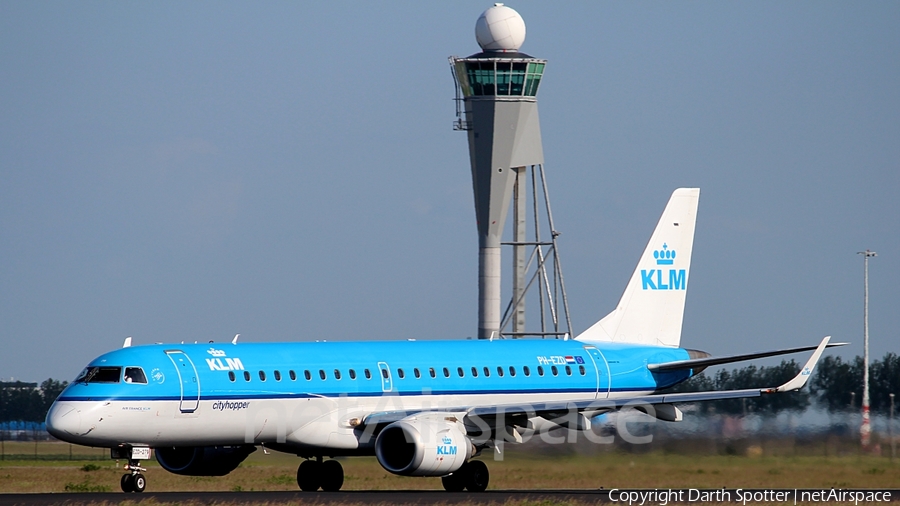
(422, 448)
(202, 460)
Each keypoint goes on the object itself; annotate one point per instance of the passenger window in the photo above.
(322, 373)
(293, 376)
(246, 375)
(417, 373)
(262, 376)
(512, 371)
(231, 375)
(500, 371)
(431, 372)
(581, 369)
(384, 373)
(352, 374)
(400, 373)
(474, 372)
(459, 371)
(487, 372)
(337, 374)
(540, 370)
(307, 375)
(277, 376)
(525, 369)
(368, 374)
(568, 371)
(554, 370)
(135, 375)
(446, 372)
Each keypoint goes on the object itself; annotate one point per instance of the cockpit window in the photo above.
(101, 375)
(135, 375)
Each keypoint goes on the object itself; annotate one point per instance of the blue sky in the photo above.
(287, 170)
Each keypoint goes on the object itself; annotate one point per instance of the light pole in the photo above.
(865, 430)
(891, 430)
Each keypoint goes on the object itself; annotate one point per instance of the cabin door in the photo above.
(188, 378)
(602, 370)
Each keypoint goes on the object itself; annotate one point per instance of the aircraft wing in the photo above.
(560, 410)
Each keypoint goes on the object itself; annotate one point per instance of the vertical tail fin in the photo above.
(652, 308)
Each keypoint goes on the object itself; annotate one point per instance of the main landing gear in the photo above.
(135, 481)
(472, 476)
(315, 474)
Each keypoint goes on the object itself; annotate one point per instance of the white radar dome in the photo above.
(500, 29)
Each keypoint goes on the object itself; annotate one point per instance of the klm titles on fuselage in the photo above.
(664, 279)
(217, 364)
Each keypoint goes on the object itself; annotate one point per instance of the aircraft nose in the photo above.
(63, 421)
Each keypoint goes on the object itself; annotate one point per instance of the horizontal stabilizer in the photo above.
(702, 363)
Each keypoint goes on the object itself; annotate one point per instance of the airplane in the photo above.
(422, 408)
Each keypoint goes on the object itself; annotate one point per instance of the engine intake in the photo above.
(422, 448)
(202, 460)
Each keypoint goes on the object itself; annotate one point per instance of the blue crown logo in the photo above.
(447, 440)
(664, 256)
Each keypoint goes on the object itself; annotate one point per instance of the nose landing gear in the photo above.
(135, 481)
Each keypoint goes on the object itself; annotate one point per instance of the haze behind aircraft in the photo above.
(423, 408)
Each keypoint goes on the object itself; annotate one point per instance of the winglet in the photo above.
(236, 336)
(799, 380)
(127, 342)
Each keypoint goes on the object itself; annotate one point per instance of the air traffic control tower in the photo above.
(497, 106)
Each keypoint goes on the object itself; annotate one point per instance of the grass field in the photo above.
(520, 469)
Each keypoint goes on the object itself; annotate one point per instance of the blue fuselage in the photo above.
(166, 393)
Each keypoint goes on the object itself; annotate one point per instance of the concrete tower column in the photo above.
(499, 89)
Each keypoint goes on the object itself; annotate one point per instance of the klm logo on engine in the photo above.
(661, 278)
(222, 363)
(448, 448)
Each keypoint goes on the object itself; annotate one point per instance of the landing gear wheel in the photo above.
(139, 483)
(309, 475)
(332, 475)
(455, 482)
(477, 476)
(127, 483)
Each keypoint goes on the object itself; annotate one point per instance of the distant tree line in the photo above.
(28, 402)
(836, 385)
(839, 384)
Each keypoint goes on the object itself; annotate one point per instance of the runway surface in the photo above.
(355, 497)
(427, 497)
